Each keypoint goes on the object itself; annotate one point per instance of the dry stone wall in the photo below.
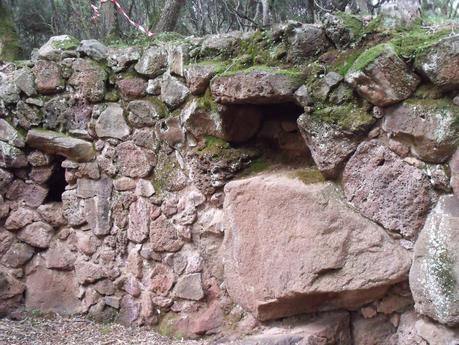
(215, 185)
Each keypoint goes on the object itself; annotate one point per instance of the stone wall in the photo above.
(212, 186)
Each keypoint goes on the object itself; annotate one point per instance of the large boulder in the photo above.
(428, 126)
(332, 134)
(255, 87)
(291, 248)
(440, 63)
(388, 190)
(52, 291)
(60, 144)
(381, 77)
(434, 274)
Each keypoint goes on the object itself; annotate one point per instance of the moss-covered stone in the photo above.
(370, 55)
(347, 117)
(68, 43)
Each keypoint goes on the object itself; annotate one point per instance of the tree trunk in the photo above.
(109, 21)
(310, 11)
(266, 13)
(9, 42)
(169, 15)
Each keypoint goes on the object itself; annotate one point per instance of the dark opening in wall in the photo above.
(56, 183)
(272, 128)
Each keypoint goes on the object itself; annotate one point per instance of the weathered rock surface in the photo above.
(24, 80)
(434, 274)
(56, 143)
(321, 248)
(11, 157)
(306, 40)
(152, 63)
(143, 113)
(383, 81)
(56, 46)
(255, 87)
(52, 291)
(37, 234)
(427, 125)
(94, 49)
(132, 88)
(120, 58)
(30, 194)
(133, 161)
(440, 63)
(377, 331)
(88, 78)
(10, 135)
(164, 236)
(189, 287)
(331, 137)
(198, 77)
(48, 77)
(329, 328)
(387, 190)
(111, 123)
(415, 330)
(454, 167)
(173, 91)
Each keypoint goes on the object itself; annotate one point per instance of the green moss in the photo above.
(218, 149)
(345, 61)
(308, 175)
(165, 171)
(69, 43)
(426, 91)
(353, 23)
(415, 41)
(168, 37)
(294, 73)
(207, 101)
(369, 55)
(258, 165)
(374, 25)
(160, 107)
(212, 143)
(347, 117)
(167, 326)
(9, 41)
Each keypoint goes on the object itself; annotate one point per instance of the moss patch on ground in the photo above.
(70, 43)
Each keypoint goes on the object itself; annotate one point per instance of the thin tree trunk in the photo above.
(310, 11)
(266, 13)
(169, 15)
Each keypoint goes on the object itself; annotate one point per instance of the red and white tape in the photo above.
(121, 11)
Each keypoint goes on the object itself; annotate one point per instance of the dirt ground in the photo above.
(78, 331)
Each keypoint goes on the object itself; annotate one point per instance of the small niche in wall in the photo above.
(56, 183)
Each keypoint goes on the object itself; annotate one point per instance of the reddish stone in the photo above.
(161, 280)
(388, 190)
(139, 220)
(89, 79)
(21, 217)
(163, 236)
(133, 161)
(52, 291)
(132, 88)
(37, 234)
(17, 255)
(48, 77)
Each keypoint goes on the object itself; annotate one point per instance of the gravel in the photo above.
(57, 330)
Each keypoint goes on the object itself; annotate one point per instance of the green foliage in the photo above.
(353, 23)
(207, 101)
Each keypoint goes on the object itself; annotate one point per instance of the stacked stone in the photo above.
(149, 228)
